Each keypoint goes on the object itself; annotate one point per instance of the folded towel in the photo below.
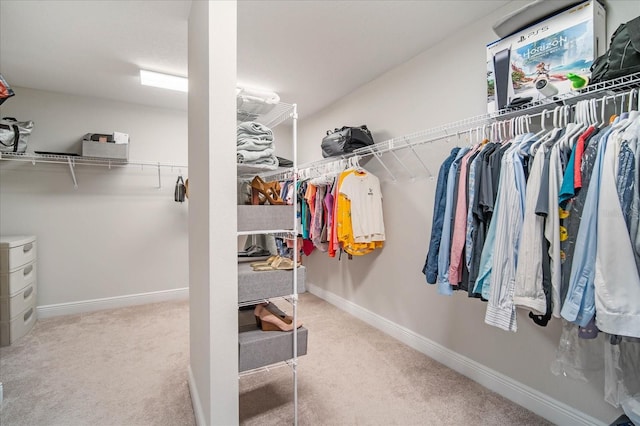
(252, 128)
(250, 144)
(268, 163)
(253, 156)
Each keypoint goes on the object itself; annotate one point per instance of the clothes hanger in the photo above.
(615, 111)
(581, 123)
(632, 93)
(550, 140)
(542, 134)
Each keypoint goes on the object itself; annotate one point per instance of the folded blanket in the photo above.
(269, 163)
(253, 156)
(250, 144)
(252, 128)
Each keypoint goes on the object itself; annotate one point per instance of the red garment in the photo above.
(307, 247)
(577, 176)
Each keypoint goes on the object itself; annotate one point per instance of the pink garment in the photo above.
(459, 224)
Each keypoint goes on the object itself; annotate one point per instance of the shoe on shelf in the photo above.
(270, 191)
(269, 321)
(283, 263)
(266, 262)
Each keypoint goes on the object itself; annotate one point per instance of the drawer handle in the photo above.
(27, 293)
(28, 314)
(27, 247)
(27, 270)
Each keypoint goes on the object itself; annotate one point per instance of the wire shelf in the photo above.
(79, 160)
(456, 128)
(281, 112)
(288, 363)
(616, 85)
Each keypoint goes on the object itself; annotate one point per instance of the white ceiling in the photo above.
(309, 52)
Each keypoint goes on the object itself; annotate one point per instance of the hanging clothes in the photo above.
(444, 286)
(360, 216)
(430, 268)
(508, 220)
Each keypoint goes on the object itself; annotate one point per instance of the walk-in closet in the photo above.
(447, 270)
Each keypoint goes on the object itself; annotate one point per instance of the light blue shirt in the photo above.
(483, 282)
(579, 305)
(500, 308)
(444, 254)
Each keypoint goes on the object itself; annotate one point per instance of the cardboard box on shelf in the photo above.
(541, 60)
(98, 147)
(114, 151)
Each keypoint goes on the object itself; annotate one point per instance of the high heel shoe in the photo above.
(270, 191)
(273, 322)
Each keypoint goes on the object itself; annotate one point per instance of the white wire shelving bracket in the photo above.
(72, 161)
(446, 131)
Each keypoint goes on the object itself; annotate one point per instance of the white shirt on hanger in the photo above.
(363, 190)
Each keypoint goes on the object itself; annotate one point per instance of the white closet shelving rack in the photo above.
(74, 160)
(612, 89)
(259, 350)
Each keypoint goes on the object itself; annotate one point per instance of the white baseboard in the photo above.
(195, 400)
(48, 311)
(543, 405)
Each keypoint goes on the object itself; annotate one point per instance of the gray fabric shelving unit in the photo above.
(261, 348)
(259, 285)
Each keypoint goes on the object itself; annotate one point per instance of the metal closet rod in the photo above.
(457, 128)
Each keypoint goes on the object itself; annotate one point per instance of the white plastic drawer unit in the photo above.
(13, 330)
(16, 251)
(13, 282)
(11, 307)
(18, 287)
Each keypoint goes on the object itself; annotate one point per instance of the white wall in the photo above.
(443, 84)
(117, 234)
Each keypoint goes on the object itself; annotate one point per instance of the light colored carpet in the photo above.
(128, 367)
(354, 374)
(116, 367)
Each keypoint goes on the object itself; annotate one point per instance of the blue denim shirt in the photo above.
(444, 254)
(430, 268)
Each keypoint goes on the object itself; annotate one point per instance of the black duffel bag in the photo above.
(623, 56)
(345, 140)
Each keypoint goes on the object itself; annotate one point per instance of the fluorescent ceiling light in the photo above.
(164, 81)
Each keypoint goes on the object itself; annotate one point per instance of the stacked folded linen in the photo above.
(255, 145)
